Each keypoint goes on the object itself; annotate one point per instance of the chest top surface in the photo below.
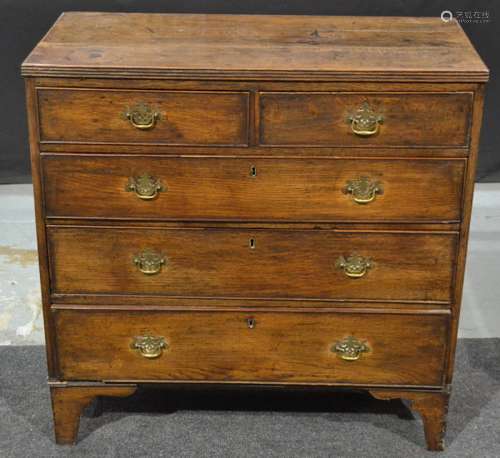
(257, 47)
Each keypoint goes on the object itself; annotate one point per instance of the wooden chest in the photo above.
(253, 200)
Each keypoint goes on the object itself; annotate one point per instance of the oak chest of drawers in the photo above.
(252, 200)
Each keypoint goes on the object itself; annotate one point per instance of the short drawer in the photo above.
(163, 188)
(143, 117)
(243, 263)
(344, 348)
(365, 119)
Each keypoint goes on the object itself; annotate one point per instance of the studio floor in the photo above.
(20, 306)
(231, 423)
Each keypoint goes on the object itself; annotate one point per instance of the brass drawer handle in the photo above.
(142, 116)
(149, 346)
(354, 266)
(149, 262)
(363, 190)
(365, 122)
(145, 186)
(350, 348)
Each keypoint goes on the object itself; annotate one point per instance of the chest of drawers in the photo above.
(252, 200)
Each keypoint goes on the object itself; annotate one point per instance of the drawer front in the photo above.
(265, 347)
(315, 264)
(143, 117)
(253, 188)
(365, 119)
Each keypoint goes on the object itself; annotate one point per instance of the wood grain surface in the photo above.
(281, 347)
(321, 119)
(185, 117)
(282, 264)
(281, 190)
(218, 46)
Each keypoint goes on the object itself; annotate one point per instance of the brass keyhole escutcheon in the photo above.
(252, 244)
(253, 171)
(251, 323)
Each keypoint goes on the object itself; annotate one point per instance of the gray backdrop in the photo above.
(24, 22)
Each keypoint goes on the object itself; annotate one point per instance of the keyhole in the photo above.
(251, 244)
(251, 323)
(253, 171)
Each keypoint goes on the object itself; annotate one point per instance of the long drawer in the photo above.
(344, 348)
(278, 263)
(143, 117)
(365, 119)
(194, 188)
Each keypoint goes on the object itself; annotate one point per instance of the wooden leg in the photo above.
(69, 401)
(432, 406)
